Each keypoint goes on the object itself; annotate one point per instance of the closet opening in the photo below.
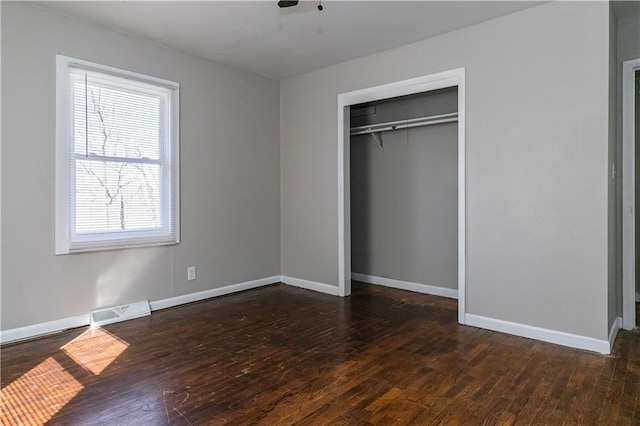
(401, 185)
(404, 182)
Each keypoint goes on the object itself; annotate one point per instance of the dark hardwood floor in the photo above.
(283, 355)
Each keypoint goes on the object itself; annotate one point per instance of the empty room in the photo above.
(319, 212)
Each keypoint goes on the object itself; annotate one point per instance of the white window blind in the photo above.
(117, 158)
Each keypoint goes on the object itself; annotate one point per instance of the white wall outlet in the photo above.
(191, 273)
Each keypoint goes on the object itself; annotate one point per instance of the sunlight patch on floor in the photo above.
(95, 349)
(38, 395)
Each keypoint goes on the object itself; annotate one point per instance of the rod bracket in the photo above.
(378, 140)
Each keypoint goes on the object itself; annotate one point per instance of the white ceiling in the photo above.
(260, 37)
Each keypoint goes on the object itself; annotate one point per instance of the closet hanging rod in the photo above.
(404, 124)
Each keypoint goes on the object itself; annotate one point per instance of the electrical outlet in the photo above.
(191, 273)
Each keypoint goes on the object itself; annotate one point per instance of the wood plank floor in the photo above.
(283, 355)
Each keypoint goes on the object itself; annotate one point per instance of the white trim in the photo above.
(35, 330)
(628, 194)
(71, 62)
(67, 240)
(310, 285)
(214, 292)
(62, 156)
(544, 334)
(451, 78)
(615, 327)
(462, 197)
(406, 285)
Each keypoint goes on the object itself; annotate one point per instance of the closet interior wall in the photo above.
(404, 194)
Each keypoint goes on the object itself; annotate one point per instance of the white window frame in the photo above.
(66, 239)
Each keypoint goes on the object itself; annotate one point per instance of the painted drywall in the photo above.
(629, 38)
(628, 47)
(230, 171)
(537, 154)
(405, 107)
(614, 295)
(404, 196)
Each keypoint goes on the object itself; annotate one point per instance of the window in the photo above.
(116, 158)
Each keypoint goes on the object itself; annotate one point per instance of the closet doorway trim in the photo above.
(629, 257)
(427, 83)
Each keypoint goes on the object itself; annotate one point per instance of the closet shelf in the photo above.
(404, 124)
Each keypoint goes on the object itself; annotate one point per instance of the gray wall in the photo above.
(441, 101)
(404, 198)
(537, 175)
(615, 196)
(628, 47)
(628, 38)
(230, 171)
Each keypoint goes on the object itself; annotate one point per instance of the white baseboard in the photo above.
(310, 285)
(544, 334)
(214, 292)
(34, 330)
(615, 327)
(406, 285)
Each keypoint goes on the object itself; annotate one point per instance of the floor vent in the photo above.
(105, 316)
